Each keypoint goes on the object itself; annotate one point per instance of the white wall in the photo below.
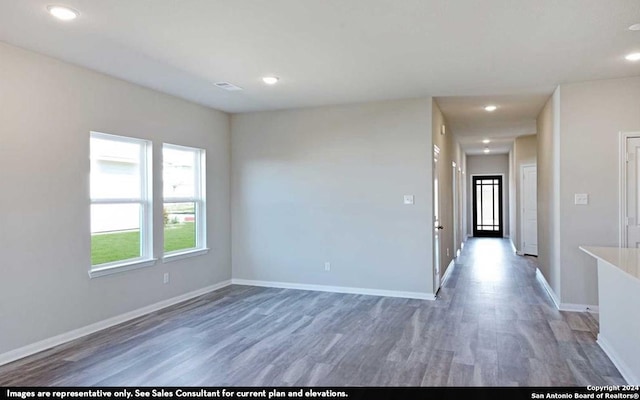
(591, 116)
(484, 165)
(578, 141)
(47, 109)
(524, 152)
(326, 184)
(548, 171)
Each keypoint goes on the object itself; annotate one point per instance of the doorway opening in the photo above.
(487, 206)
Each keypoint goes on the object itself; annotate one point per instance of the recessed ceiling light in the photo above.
(270, 80)
(63, 13)
(486, 141)
(634, 27)
(486, 150)
(633, 57)
(491, 108)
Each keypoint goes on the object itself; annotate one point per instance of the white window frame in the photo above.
(199, 199)
(146, 214)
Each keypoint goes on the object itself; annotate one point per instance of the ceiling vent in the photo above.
(227, 86)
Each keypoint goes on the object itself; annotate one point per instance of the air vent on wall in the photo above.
(227, 86)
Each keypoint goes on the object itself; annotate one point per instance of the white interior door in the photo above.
(460, 211)
(436, 221)
(633, 175)
(529, 207)
(455, 209)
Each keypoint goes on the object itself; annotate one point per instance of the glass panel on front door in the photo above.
(487, 206)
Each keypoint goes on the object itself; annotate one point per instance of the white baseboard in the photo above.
(579, 307)
(513, 246)
(546, 286)
(89, 329)
(564, 306)
(335, 289)
(624, 369)
(447, 273)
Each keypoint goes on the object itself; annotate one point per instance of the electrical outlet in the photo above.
(327, 266)
(166, 278)
(447, 252)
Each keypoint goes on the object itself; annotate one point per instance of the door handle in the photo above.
(440, 227)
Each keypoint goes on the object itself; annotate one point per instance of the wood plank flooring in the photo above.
(493, 324)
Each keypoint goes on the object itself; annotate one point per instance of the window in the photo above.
(121, 235)
(184, 200)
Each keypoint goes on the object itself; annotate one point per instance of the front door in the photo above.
(487, 206)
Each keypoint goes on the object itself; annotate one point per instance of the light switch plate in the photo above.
(581, 198)
(408, 199)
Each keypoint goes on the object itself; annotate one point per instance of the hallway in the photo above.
(493, 324)
(507, 326)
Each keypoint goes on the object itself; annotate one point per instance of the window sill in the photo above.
(122, 267)
(184, 254)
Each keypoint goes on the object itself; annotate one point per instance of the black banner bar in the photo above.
(276, 393)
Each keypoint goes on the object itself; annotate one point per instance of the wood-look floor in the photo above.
(493, 324)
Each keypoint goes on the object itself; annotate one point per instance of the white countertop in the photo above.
(626, 259)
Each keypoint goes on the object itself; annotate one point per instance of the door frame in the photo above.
(473, 206)
(622, 185)
(521, 203)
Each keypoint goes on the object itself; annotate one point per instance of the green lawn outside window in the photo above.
(119, 246)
